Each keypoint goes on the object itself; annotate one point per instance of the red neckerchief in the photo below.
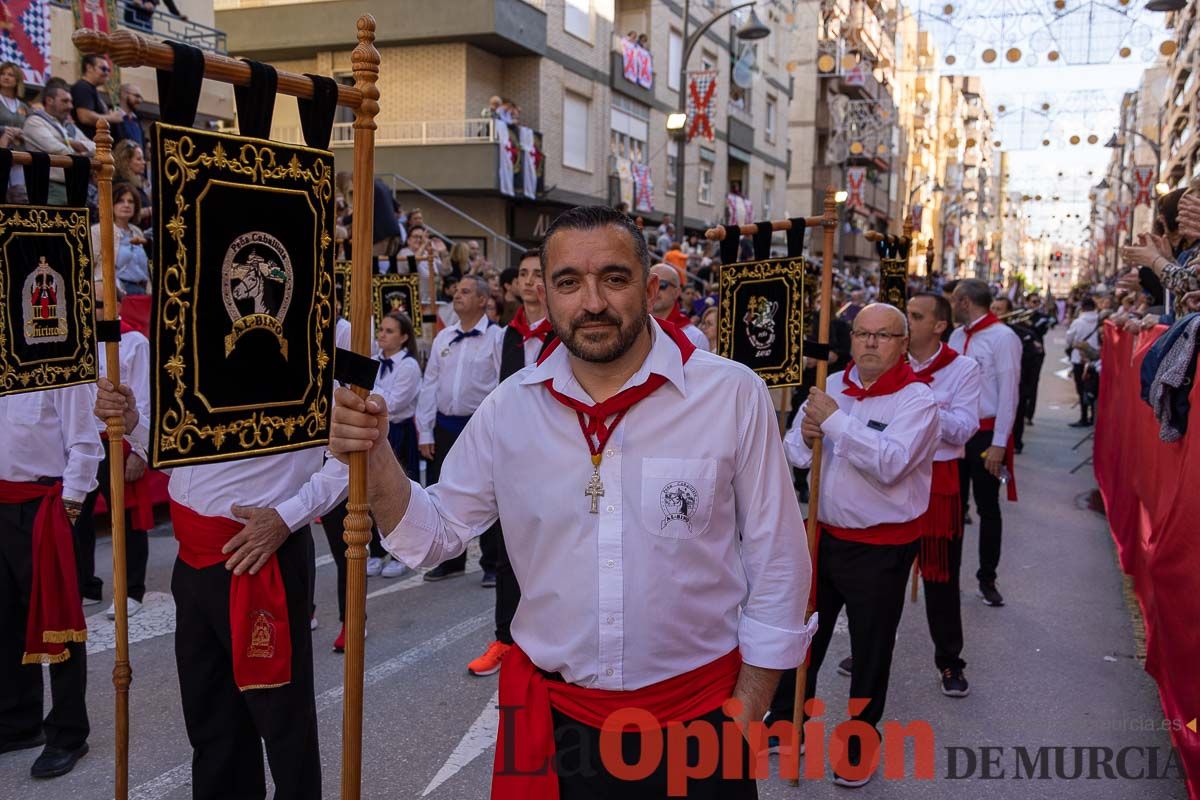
(986, 321)
(890, 382)
(521, 324)
(126, 327)
(592, 417)
(942, 359)
(676, 317)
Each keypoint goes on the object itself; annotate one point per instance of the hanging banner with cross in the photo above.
(643, 188)
(25, 37)
(855, 178)
(1124, 217)
(1143, 178)
(702, 93)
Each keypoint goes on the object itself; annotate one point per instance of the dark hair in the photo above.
(1168, 209)
(1088, 303)
(507, 276)
(1007, 303)
(53, 85)
(949, 286)
(941, 307)
(20, 73)
(406, 327)
(91, 59)
(120, 190)
(589, 218)
(533, 252)
(975, 290)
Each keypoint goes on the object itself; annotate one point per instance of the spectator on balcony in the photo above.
(130, 127)
(460, 260)
(49, 129)
(129, 167)
(90, 104)
(476, 259)
(423, 248)
(13, 108)
(416, 219)
(139, 14)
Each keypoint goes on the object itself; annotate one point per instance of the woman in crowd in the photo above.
(129, 164)
(132, 265)
(460, 259)
(13, 111)
(708, 326)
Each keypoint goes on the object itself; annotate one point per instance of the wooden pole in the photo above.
(718, 233)
(122, 675)
(365, 61)
(828, 221)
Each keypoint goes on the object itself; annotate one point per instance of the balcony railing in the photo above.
(479, 130)
(164, 26)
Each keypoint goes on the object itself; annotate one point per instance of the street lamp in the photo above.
(840, 196)
(752, 30)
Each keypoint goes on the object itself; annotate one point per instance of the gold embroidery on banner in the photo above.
(393, 292)
(74, 226)
(183, 162)
(791, 272)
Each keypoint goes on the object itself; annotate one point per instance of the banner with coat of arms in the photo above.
(25, 37)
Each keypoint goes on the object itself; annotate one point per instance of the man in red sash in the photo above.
(879, 423)
(243, 601)
(47, 467)
(659, 570)
(666, 305)
(989, 453)
(955, 383)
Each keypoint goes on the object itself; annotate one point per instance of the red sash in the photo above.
(989, 424)
(942, 523)
(890, 382)
(521, 325)
(258, 616)
(524, 765)
(986, 321)
(55, 609)
(677, 318)
(139, 499)
(884, 533)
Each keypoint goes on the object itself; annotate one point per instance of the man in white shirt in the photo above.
(1084, 331)
(524, 338)
(666, 305)
(243, 647)
(463, 368)
(879, 423)
(614, 523)
(50, 130)
(989, 453)
(47, 467)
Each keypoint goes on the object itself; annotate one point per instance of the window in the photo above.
(672, 162)
(674, 59)
(772, 110)
(575, 131)
(708, 59)
(768, 192)
(706, 182)
(577, 18)
(630, 129)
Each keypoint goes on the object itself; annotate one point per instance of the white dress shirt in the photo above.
(998, 351)
(632, 595)
(52, 434)
(399, 386)
(1085, 328)
(459, 376)
(956, 387)
(696, 337)
(135, 373)
(341, 334)
(871, 476)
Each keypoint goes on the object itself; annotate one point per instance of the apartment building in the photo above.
(1180, 154)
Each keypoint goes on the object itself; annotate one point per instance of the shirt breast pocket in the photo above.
(677, 496)
(25, 409)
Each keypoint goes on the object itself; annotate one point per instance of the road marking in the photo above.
(180, 775)
(157, 618)
(478, 739)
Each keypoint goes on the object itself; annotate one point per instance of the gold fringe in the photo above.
(263, 686)
(63, 637)
(45, 658)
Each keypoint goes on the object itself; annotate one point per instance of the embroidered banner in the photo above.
(893, 270)
(47, 330)
(243, 327)
(760, 321)
(25, 37)
(392, 292)
(855, 178)
(702, 95)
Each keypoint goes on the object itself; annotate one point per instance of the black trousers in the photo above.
(1086, 409)
(869, 581)
(137, 545)
(227, 728)
(1029, 389)
(582, 776)
(66, 725)
(943, 611)
(508, 591)
(443, 440)
(973, 473)
(334, 523)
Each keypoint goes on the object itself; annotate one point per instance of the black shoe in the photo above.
(853, 758)
(441, 572)
(1019, 448)
(987, 590)
(1029, 422)
(489, 580)
(967, 520)
(54, 761)
(33, 740)
(1083, 423)
(845, 666)
(954, 684)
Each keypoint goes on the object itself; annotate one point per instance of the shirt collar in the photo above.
(920, 365)
(481, 325)
(664, 359)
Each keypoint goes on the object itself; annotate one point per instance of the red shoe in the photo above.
(339, 644)
(489, 662)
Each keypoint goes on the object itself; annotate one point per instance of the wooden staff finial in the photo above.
(122, 674)
(365, 61)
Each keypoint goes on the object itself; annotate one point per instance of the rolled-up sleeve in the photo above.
(772, 633)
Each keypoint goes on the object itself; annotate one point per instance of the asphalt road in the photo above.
(1055, 668)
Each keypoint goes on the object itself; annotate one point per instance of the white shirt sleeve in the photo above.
(324, 490)
(891, 454)
(771, 632)
(960, 420)
(74, 405)
(798, 453)
(427, 398)
(442, 519)
(1007, 358)
(404, 385)
(139, 380)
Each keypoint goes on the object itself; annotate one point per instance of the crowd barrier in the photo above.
(1152, 498)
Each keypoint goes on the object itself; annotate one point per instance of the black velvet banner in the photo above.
(47, 328)
(394, 292)
(242, 333)
(893, 271)
(760, 322)
(341, 287)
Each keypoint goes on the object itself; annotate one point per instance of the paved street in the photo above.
(1055, 667)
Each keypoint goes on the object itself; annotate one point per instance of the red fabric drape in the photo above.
(1152, 503)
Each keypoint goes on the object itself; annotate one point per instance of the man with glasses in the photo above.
(666, 305)
(90, 104)
(879, 422)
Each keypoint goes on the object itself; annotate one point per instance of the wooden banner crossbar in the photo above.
(128, 49)
(717, 234)
(22, 159)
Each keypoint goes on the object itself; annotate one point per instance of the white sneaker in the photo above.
(91, 601)
(312, 623)
(132, 607)
(374, 567)
(394, 569)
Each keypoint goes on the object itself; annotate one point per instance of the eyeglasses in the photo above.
(879, 336)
